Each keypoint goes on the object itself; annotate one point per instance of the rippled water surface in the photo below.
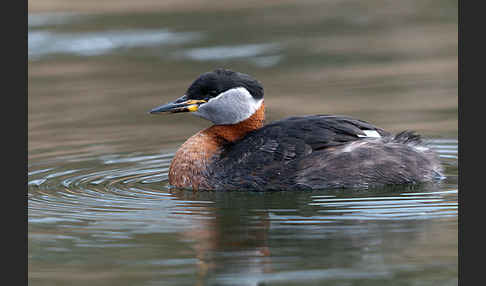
(100, 211)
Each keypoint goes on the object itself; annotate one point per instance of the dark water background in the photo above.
(99, 209)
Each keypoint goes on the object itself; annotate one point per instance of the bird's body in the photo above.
(296, 153)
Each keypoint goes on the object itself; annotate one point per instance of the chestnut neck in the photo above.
(191, 161)
(234, 132)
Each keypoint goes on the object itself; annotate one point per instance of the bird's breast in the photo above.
(189, 165)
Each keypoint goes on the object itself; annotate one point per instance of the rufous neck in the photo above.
(234, 132)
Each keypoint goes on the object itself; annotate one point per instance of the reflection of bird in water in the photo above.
(229, 236)
(305, 152)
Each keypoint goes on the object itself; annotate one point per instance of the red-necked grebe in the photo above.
(295, 153)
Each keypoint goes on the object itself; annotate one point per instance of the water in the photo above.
(100, 211)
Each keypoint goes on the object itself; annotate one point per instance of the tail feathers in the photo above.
(408, 137)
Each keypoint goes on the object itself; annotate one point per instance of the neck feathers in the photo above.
(188, 168)
(234, 132)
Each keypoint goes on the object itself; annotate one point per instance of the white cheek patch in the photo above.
(229, 107)
(370, 133)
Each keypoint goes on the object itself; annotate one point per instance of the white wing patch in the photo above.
(370, 133)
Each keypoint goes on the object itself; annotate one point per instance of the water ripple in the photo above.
(227, 52)
(43, 43)
(131, 189)
(112, 189)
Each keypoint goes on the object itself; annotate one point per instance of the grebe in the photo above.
(296, 153)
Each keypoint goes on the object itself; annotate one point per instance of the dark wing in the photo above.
(266, 156)
(319, 131)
